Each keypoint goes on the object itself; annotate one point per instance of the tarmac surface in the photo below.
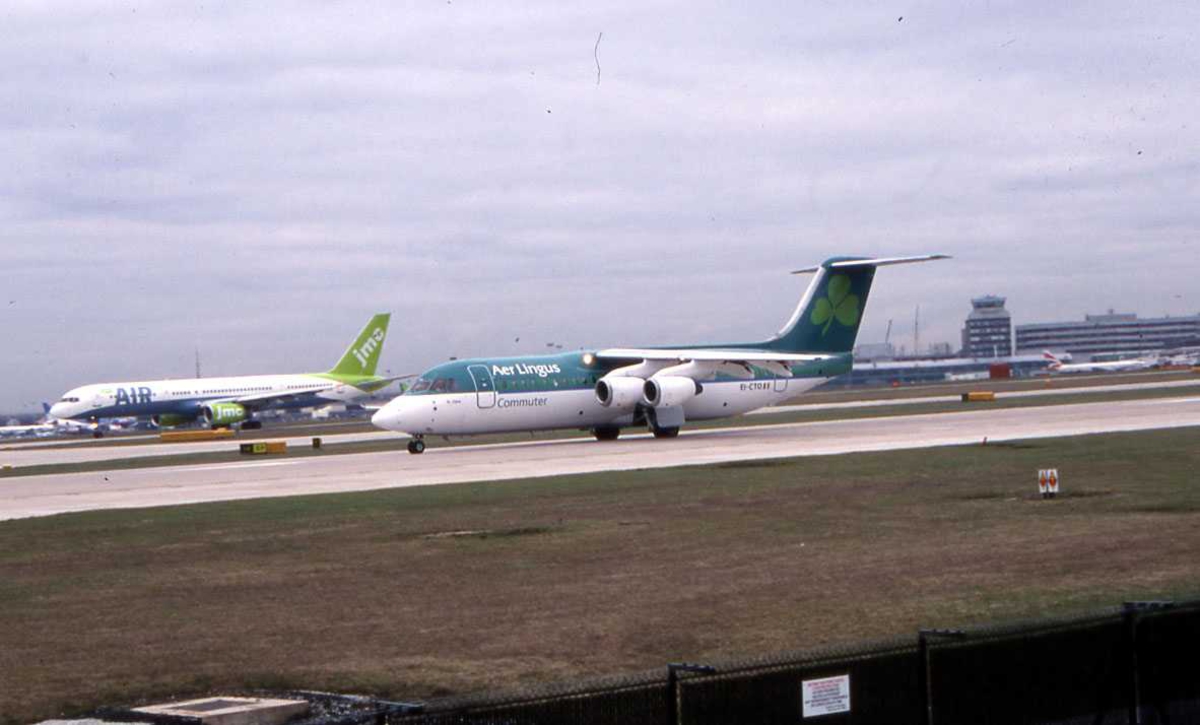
(36, 453)
(136, 488)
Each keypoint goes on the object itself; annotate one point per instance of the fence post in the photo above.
(1130, 612)
(924, 679)
(672, 686)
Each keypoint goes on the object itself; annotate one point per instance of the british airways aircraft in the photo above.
(1058, 366)
(226, 401)
(660, 387)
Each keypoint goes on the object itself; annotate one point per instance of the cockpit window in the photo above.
(434, 385)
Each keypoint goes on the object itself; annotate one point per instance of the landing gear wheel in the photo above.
(97, 434)
(671, 432)
(252, 425)
(416, 445)
(606, 433)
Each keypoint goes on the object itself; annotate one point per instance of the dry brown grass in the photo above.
(582, 575)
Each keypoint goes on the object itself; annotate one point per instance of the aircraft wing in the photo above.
(381, 382)
(264, 400)
(267, 400)
(709, 355)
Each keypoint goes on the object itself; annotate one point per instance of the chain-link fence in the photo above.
(1133, 665)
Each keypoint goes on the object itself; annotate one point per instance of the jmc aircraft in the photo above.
(607, 390)
(225, 401)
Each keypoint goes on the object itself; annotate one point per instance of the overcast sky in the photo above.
(256, 179)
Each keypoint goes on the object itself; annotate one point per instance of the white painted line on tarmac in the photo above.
(230, 466)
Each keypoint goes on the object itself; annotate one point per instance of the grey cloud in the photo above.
(259, 179)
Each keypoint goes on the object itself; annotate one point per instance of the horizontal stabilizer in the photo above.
(714, 354)
(878, 262)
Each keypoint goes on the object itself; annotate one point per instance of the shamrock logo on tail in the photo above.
(838, 304)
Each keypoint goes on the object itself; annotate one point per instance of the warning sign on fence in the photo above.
(826, 696)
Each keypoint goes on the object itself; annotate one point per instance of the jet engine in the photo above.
(622, 393)
(222, 413)
(170, 420)
(668, 391)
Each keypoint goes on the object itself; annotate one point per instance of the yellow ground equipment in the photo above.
(187, 436)
(979, 396)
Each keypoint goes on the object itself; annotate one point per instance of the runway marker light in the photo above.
(1048, 482)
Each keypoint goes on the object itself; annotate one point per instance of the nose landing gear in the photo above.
(416, 445)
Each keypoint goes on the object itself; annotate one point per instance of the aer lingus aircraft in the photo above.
(225, 401)
(660, 387)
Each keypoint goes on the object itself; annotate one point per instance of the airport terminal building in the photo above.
(1109, 333)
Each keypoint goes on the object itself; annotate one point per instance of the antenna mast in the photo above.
(917, 332)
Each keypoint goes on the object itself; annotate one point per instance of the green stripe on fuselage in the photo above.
(571, 371)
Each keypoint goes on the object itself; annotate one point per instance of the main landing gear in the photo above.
(611, 433)
(416, 445)
(606, 433)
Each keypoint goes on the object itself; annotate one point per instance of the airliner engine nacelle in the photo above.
(169, 420)
(223, 413)
(622, 393)
(669, 390)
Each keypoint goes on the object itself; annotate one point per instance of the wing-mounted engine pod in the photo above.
(621, 393)
(170, 420)
(222, 413)
(669, 390)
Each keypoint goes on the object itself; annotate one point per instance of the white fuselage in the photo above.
(1100, 367)
(471, 413)
(181, 397)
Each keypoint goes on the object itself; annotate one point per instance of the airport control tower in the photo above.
(988, 332)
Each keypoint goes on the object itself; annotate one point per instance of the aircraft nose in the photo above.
(58, 410)
(390, 416)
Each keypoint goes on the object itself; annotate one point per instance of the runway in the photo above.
(46, 495)
(55, 452)
(27, 455)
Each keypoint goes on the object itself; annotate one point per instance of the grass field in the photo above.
(416, 592)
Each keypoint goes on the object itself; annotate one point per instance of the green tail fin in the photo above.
(362, 356)
(827, 319)
(828, 316)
